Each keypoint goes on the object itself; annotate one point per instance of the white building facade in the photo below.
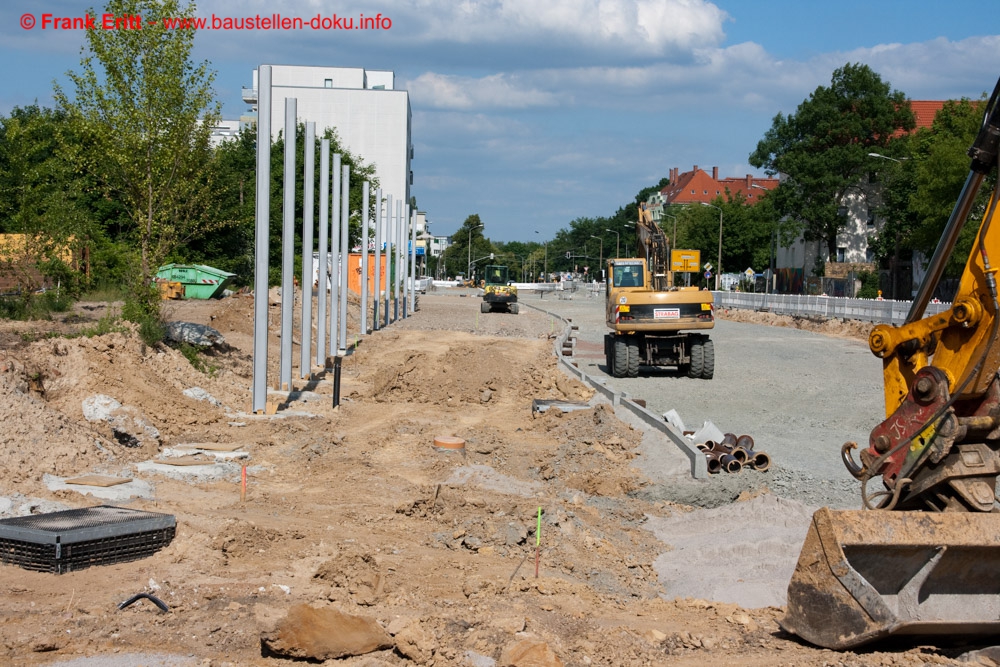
(371, 117)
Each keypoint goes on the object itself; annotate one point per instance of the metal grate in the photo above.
(74, 539)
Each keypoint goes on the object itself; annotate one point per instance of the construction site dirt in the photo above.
(552, 538)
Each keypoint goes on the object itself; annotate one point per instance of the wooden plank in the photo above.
(192, 460)
(99, 480)
(210, 446)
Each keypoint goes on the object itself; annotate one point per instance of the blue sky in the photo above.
(532, 114)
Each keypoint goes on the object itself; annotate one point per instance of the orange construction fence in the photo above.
(354, 273)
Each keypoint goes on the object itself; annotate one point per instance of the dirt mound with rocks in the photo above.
(826, 326)
(536, 542)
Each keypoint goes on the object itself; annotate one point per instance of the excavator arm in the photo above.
(940, 372)
(921, 557)
(655, 248)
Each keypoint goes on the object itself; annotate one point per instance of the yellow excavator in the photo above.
(652, 322)
(923, 556)
(499, 293)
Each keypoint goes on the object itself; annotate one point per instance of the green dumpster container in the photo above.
(200, 281)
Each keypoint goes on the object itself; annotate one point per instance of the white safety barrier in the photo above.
(885, 311)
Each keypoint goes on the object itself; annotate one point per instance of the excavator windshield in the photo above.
(496, 275)
(628, 276)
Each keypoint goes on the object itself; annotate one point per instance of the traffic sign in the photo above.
(708, 274)
(707, 266)
(685, 260)
(749, 273)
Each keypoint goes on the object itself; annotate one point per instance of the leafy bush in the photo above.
(869, 285)
(34, 306)
(144, 310)
(193, 354)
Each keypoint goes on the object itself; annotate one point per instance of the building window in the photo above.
(871, 217)
(841, 255)
(870, 255)
(328, 83)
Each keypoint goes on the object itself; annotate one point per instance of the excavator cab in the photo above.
(922, 557)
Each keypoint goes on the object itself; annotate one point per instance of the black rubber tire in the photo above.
(708, 368)
(697, 359)
(620, 362)
(513, 308)
(484, 307)
(633, 358)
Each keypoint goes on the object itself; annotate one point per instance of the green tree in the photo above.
(921, 187)
(823, 148)
(941, 165)
(42, 196)
(148, 112)
(232, 210)
(468, 243)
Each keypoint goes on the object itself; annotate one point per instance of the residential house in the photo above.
(859, 206)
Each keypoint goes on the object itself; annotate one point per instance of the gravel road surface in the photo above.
(800, 396)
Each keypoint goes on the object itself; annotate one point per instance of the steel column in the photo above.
(345, 249)
(335, 255)
(305, 363)
(365, 193)
(377, 296)
(262, 218)
(388, 246)
(324, 232)
(288, 249)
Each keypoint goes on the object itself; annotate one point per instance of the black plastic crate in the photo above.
(75, 539)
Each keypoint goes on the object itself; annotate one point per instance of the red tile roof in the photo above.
(925, 110)
(692, 187)
(697, 185)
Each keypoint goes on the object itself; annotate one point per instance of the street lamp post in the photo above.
(894, 261)
(468, 270)
(673, 239)
(546, 266)
(886, 157)
(771, 249)
(718, 267)
(600, 265)
(618, 238)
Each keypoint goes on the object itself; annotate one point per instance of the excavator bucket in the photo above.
(867, 575)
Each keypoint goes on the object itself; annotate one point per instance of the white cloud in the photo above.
(638, 27)
(507, 91)
(742, 76)
(936, 69)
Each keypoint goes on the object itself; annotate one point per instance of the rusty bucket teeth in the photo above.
(866, 575)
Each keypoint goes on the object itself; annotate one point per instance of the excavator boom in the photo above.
(921, 558)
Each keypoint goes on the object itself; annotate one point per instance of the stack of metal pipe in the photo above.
(733, 453)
